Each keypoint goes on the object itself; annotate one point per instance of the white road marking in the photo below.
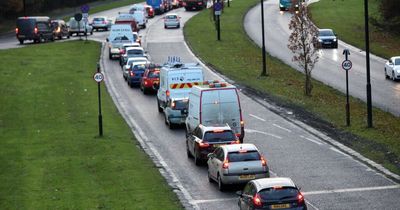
(258, 118)
(214, 200)
(312, 140)
(340, 152)
(265, 133)
(278, 126)
(361, 189)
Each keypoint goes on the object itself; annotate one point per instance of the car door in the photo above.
(245, 199)
(212, 162)
(217, 161)
(193, 139)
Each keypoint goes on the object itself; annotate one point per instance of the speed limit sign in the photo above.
(98, 77)
(346, 65)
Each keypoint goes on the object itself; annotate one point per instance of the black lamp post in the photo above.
(24, 7)
(264, 68)
(369, 98)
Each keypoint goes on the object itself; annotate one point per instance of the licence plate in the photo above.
(280, 206)
(217, 145)
(327, 42)
(248, 176)
(21, 36)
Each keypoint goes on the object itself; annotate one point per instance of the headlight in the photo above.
(398, 71)
(334, 40)
(320, 40)
(280, 5)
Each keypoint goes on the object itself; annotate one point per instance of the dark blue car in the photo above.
(135, 74)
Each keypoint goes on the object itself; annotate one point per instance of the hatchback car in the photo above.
(135, 73)
(131, 61)
(271, 193)
(172, 20)
(151, 79)
(392, 68)
(236, 164)
(175, 112)
(150, 11)
(205, 139)
(327, 38)
(131, 52)
(60, 29)
(101, 23)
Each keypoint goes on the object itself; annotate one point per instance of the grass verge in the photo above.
(238, 58)
(332, 14)
(50, 154)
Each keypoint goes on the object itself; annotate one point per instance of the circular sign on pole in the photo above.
(346, 65)
(78, 16)
(85, 8)
(218, 6)
(98, 77)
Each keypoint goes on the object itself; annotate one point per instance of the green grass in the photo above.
(238, 58)
(50, 154)
(347, 19)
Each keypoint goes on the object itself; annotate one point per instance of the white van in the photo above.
(140, 17)
(176, 80)
(120, 34)
(215, 103)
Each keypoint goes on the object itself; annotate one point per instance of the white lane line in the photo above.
(258, 118)
(214, 200)
(312, 140)
(278, 126)
(338, 151)
(265, 133)
(361, 189)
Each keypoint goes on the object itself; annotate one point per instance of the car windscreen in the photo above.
(243, 156)
(139, 67)
(212, 136)
(171, 17)
(135, 52)
(130, 61)
(397, 61)
(278, 193)
(154, 74)
(326, 33)
(98, 19)
(180, 104)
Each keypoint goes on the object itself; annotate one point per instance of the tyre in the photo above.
(171, 125)
(393, 76)
(386, 76)
(91, 32)
(197, 160)
(159, 107)
(221, 186)
(178, 26)
(165, 26)
(144, 26)
(60, 37)
(21, 41)
(336, 45)
(189, 155)
(145, 91)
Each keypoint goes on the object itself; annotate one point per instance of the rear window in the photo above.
(135, 52)
(25, 22)
(276, 194)
(243, 156)
(181, 104)
(219, 136)
(154, 74)
(171, 17)
(139, 67)
(42, 26)
(98, 19)
(134, 60)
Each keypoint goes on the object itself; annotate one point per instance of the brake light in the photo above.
(257, 200)
(300, 198)
(173, 104)
(237, 135)
(263, 161)
(168, 93)
(203, 144)
(122, 51)
(132, 74)
(36, 30)
(58, 30)
(145, 82)
(235, 142)
(242, 123)
(200, 3)
(225, 165)
(16, 30)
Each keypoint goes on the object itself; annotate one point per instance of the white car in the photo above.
(172, 20)
(236, 164)
(392, 68)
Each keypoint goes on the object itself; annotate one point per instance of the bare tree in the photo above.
(302, 42)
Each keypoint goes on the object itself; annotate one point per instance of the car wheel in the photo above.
(209, 176)
(197, 160)
(144, 26)
(159, 108)
(189, 155)
(386, 76)
(171, 125)
(21, 41)
(178, 26)
(221, 186)
(393, 76)
(91, 32)
(60, 37)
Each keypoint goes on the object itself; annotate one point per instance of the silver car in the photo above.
(175, 112)
(236, 164)
(101, 23)
(172, 20)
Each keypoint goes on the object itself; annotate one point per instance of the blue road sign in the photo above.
(218, 6)
(85, 8)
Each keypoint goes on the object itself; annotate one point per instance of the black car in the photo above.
(271, 193)
(37, 29)
(60, 29)
(327, 38)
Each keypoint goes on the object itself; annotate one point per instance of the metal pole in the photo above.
(99, 96)
(369, 97)
(264, 67)
(24, 8)
(347, 99)
(228, 3)
(218, 27)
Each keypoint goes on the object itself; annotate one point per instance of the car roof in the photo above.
(133, 44)
(134, 48)
(215, 127)
(325, 29)
(137, 58)
(171, 14)
(37, 18)
(273, 182)
(396, 57)
(238, 147)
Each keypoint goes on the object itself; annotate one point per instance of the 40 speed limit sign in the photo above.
(346, 65)
(98, 77)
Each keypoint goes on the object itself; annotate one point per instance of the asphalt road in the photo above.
(385, 93)
(330, 175)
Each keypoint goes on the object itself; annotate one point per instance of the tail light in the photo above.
(173, 104)
(58, 30)
(225, 165)
(200, 3)
(241, 123)
(300, 199)
(145, 82)
(263, 161)
(132, 74)
(235, 142)
(237, 135)
(16, 30)
(203, 144)
(36, 30)
(168, 93)
(257, 200)
(122, 51)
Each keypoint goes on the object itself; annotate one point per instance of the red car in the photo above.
(151, 78)
(150, 11)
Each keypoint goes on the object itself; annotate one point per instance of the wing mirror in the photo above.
(239, 193)
(107, 39)
(211, 155)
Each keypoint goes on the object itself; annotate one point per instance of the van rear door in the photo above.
(180, 82)
(26, 27)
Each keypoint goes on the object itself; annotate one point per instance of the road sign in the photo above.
(85, 8)
(346, 65)
(218, 6)
(85, 17)
(78, 16)
(98, 77)
(217, 12)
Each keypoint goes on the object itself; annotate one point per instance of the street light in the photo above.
(369, 98)
(264, 68)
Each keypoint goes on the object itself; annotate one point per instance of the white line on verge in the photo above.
(258, 118)
(312, 140)
(265, 133)
(278, 126)
(352, 190)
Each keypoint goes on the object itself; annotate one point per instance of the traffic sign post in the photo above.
(78, 18)
(99, 77)
(346, 65)
(217, 12)
(85, 17)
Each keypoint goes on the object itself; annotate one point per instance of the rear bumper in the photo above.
(235, 178)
